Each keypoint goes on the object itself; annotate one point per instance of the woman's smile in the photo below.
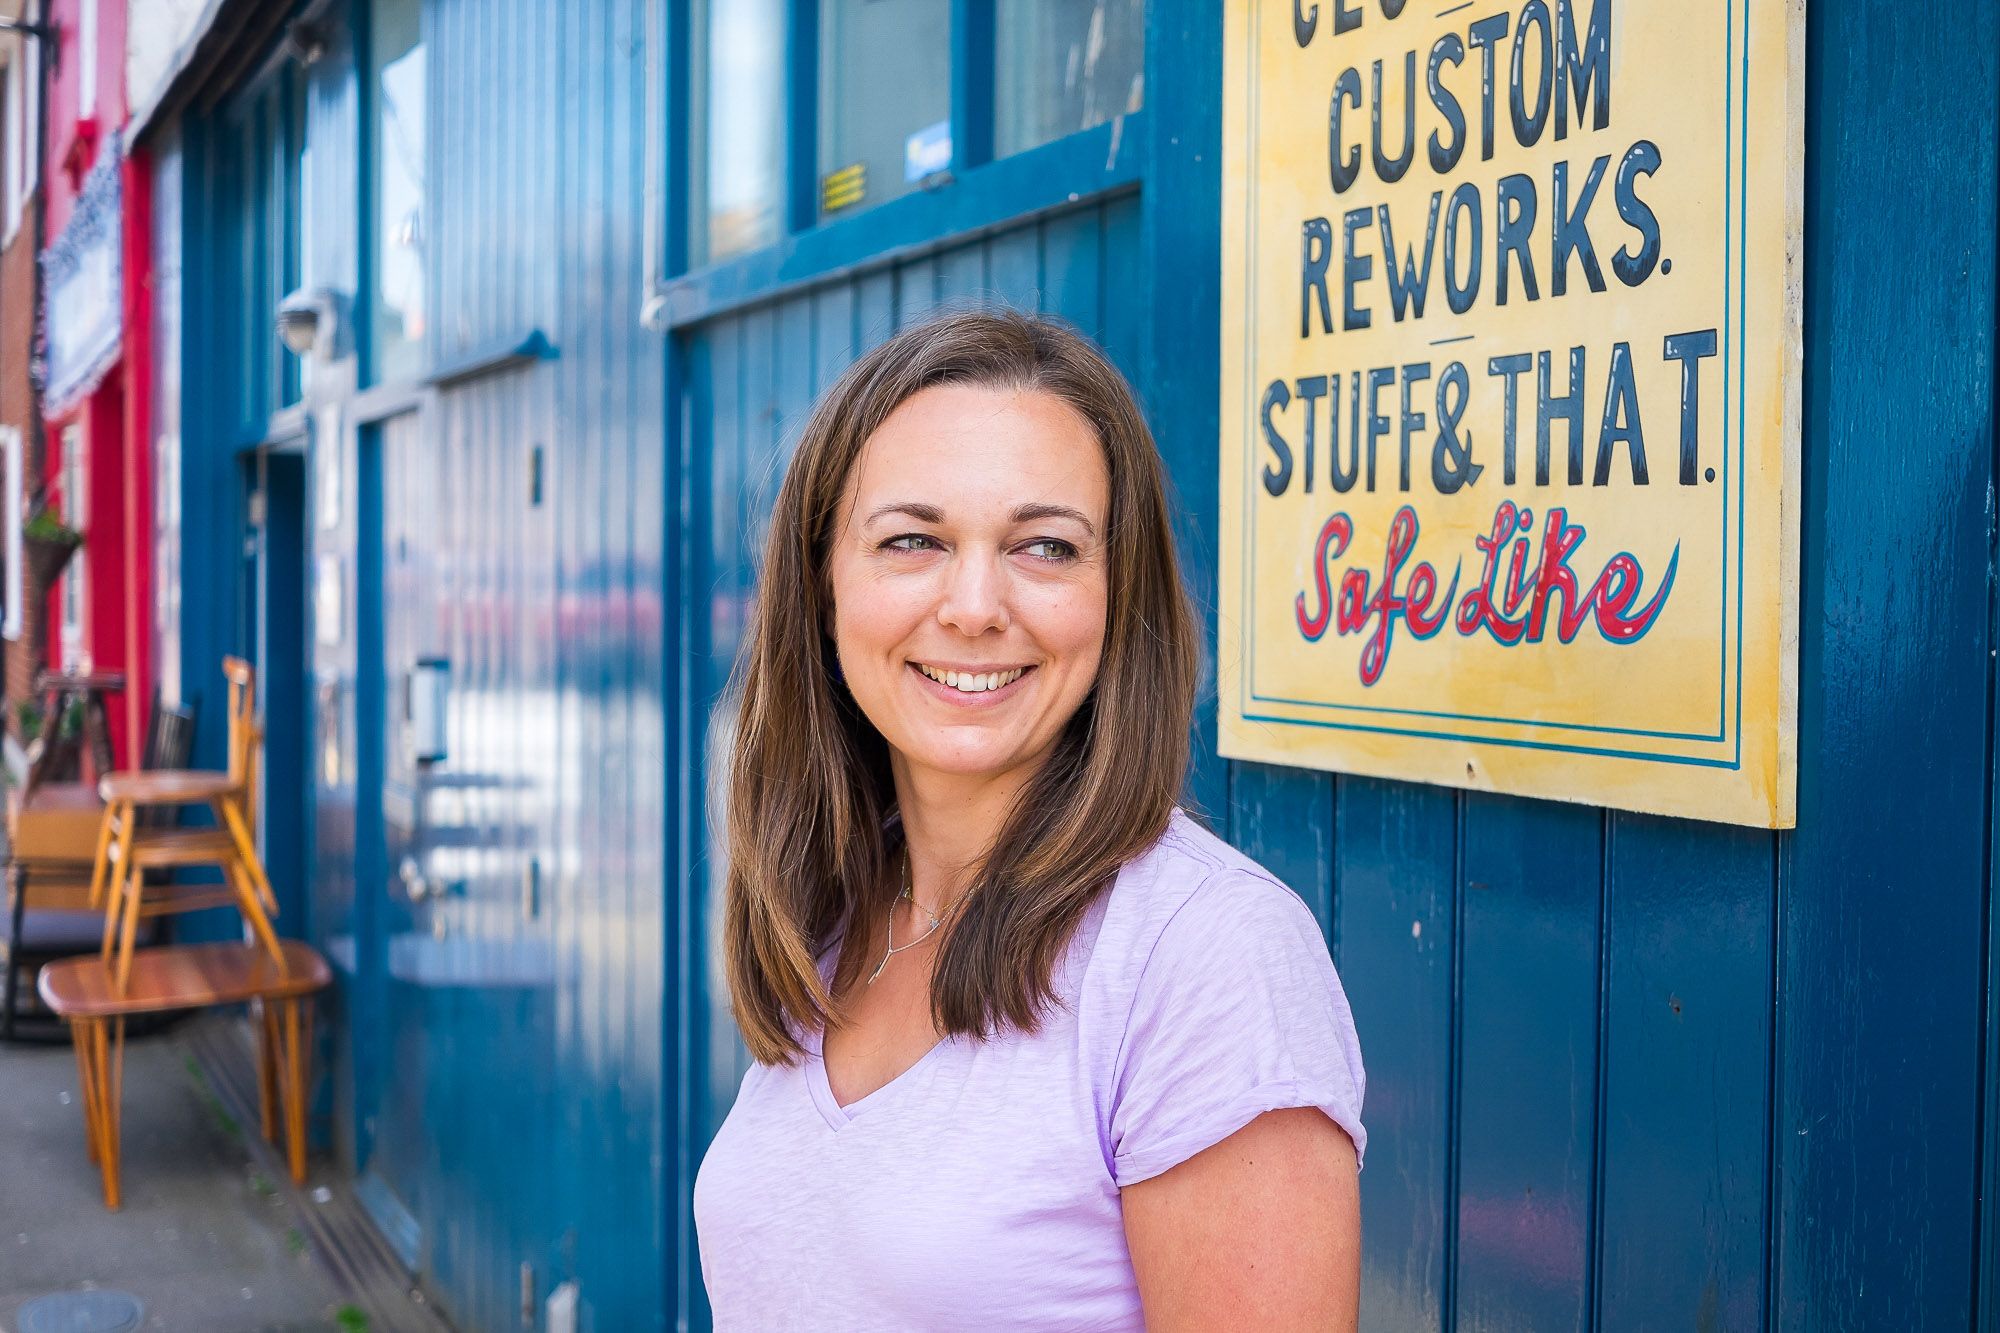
(970, 687)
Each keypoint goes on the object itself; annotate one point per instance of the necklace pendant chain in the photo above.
(937, 920)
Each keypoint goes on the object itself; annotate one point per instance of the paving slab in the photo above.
(206, 1241)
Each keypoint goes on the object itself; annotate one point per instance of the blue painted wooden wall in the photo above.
(1625, 1072)
(527, 1052)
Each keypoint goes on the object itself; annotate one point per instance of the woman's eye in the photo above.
(910, 541)
(1048, 548)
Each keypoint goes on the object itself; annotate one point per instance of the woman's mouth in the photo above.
(965, 685)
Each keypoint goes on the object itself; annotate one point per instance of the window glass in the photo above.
(75, 506)
(738, 145)
(167, 256)
(398, 238)
(884, 99)
(1064, 65)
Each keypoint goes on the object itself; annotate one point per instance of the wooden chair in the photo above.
(128, 848)
(52, 834)
(96, 1003)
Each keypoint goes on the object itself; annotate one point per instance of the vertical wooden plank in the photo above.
(1072, 260)
(793, 330)
(962, 276)
(714, 590)
(916, 290)
(760, 440)
(1686, 1074)
(833, 333)
(1283, 817)
(874, 309)
(1396, 918)
(1122, 310)
(1883, 888)
(1174, 292)
(1014, 268)
(1527, 1051)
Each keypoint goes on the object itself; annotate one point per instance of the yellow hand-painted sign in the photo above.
(1510, 362)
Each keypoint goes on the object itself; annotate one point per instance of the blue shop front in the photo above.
(558, 285)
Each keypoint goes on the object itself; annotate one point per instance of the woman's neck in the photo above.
(949, 822)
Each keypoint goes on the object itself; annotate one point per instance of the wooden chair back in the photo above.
(244, 733)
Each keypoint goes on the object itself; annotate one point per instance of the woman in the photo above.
(1034, 1049)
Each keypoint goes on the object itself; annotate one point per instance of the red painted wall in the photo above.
(117, 417)
(72, 147)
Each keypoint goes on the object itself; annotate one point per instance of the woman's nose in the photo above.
(975, 595)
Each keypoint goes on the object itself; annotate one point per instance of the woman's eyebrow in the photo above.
(923, 513)
(1029, 513)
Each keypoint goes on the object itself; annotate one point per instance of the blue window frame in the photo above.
(743, 228)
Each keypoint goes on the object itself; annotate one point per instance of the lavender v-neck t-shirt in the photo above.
(979, 1188)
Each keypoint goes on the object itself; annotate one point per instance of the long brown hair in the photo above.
(809, 784)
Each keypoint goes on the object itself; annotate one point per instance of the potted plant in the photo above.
(47, 543)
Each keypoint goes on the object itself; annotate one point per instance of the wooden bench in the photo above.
(85, 992)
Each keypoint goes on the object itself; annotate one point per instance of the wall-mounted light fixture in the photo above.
(310, 323)
(305, 42)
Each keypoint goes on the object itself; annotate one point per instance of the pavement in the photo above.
(206, 1241)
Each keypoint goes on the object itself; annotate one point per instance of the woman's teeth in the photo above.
(972, 682)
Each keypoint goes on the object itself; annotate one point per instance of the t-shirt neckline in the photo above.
(839, 1117)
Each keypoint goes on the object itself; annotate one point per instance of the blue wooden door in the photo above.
(459, 1164)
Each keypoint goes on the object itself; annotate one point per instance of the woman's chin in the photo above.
(964, 763)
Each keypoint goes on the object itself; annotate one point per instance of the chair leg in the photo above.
(17, 875)
(267, 1070)
(105, 1057)
(86, 1095)
(243, 877)
(246, 851)
(293, 1045)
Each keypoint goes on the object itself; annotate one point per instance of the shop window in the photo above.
(74, 479)
(737, 101)
(397, 239)
(884, 99)
(18, 106)
(1061, 66)
(867, 110)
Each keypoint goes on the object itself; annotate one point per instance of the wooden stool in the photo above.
(190, 976)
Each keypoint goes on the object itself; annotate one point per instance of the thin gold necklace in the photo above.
(937, 919)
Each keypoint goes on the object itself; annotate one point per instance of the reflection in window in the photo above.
(398, 239)
(884, 100)
(737, 178)
(1063, 66)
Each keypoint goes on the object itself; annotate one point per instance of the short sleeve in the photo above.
(1237, 1012)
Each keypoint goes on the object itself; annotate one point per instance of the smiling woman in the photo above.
(1008, 1000)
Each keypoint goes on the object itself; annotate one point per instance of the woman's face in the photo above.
(969, 578)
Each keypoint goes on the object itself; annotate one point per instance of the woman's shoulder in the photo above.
(1214, 999)
(1190, 883)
